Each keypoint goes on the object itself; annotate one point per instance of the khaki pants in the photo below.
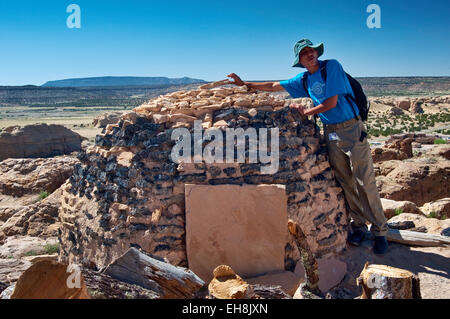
(352, 162)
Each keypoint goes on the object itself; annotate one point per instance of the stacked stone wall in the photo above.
(127, 191)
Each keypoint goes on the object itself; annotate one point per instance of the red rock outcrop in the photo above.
(23, 185)
(417, 181)
(39, 140)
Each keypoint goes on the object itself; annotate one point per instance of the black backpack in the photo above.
(360, 98)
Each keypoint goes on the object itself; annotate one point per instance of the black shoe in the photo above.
(381, 245)
(357, 237)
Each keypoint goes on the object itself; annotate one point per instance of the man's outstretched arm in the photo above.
(327, 105)
(262, 86)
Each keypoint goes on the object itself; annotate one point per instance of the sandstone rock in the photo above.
(252, 112)
(39, 140)
(396, 111)
(214, 84)
(161, 118)
(417, 107)
(388, 101)
(22, 182)
(382, 154)
(404, 104)
(19, 177)
(39, 219)
(220, 124)
(403, 145)
(132, 117)
(288, 280)
(385, 167)
(417, 137)
(432, 225)
(440, 208)
(414, 180)
(12, 268)
(331, 272)
(394, 149)
(439, 150)
(216, 228)
(226, 284)
(19, 246)
(392, 207)
(10, 205)
(104, 119)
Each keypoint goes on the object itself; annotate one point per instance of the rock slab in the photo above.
(39, 140)
(240, 226)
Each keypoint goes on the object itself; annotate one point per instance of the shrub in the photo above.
(432, 215)
(398, 211)
(51, 249)
(43, 194)
(440, 141)
(31, 253)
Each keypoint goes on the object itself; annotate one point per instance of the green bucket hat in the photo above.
(300, 45)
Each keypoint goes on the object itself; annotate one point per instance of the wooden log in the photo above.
(310, 288)
(170, 282)
(226, 284)
(268, 292)
(101, 286)
(385, 282)
(416, 238)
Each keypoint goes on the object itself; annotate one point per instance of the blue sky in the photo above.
(209, 39)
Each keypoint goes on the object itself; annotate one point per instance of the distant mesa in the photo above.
(121, 81)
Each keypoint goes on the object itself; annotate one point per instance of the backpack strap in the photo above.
(305, 83)
(323, 71)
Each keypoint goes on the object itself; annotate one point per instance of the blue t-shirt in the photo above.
(337, 84)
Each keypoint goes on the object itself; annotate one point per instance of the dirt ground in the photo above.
(431, 264)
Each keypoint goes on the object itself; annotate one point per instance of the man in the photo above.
(345, 135)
